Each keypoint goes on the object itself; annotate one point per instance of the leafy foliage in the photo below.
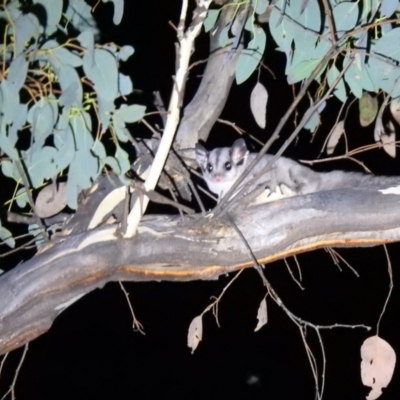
(59, 98)
(55, 90)
(366, 59)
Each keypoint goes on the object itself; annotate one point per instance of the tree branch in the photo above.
(165, 248)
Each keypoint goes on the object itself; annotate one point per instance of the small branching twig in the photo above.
(137, 326)
(12, 387)
(214, 304)
(390, 271)
(337, 257)
(3, 362)
(297, 281)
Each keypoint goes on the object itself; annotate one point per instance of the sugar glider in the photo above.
(222, 166)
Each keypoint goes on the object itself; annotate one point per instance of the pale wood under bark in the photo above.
(169, 248)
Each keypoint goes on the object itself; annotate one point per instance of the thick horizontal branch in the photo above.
(168, 248)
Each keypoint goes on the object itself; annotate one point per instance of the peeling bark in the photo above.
(169, 248)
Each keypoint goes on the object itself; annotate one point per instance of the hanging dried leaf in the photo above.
(395, 109)
(379, 130)
(51, 200)
(335, 136)
(368, 106)
(195, 333)
(377, 365)
(262, 315)
(258, 104)
(389, 145)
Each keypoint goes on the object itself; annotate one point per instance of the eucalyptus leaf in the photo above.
(65, 145)
(307, 27)
(340, 89)
(10, 170)
(129, 114)
(351, 77)
(302, 71)
(388, 45)
(53, 13)
(345, 15)
(125, 52)
(83, 171)
(6, 144)
(123, 160)
(21, 198)
(7, 238)
(103, 73)
(17, 72)
(99, 149)
(260, 6)
(282, 29)
(27, 27)
(211, 19)
(21, 114)
(86, 39)
(223, 38)
(41, 116)
(42, 165)
(113, 164)
(10, 96)
(57, 55)
(122, 133)
(81, 128)
(106, 109)
(250, 57)
(388, 7)
(124, 84)
(118, 10)
(71, 86)
(315, 119)
(80, 16)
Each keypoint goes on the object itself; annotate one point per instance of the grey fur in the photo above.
(222, 166)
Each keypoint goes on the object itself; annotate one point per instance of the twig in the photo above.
(27, 219)
(159, 104)
(3, 362)
(336, 257)
(196, 195)
(137, 326)
(331, 25)
(159, 198)
(214, 304)
(291, 273)
(390, 271)
(12, 387)
(17, 249)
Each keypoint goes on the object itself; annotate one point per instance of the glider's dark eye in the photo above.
(228, 166)
(209, 167)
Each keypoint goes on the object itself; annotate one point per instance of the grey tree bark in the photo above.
(33, 294)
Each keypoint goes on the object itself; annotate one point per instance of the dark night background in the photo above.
(91, 352)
